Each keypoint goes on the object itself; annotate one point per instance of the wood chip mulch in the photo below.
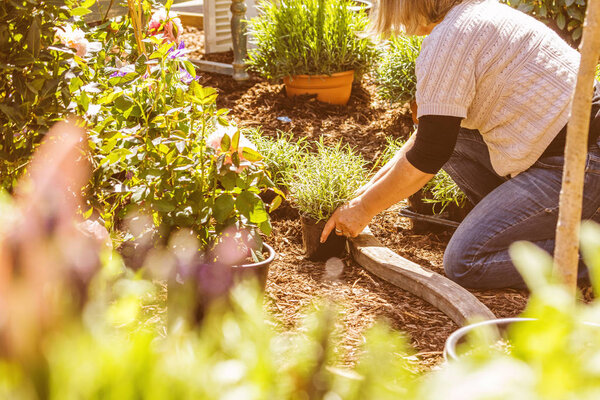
(294, 283)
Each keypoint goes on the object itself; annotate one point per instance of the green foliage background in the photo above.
(564, 16)
(35, 72)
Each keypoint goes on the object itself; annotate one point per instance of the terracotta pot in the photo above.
(334, 89)
(413, 110)
(314, 250)
(193, 289)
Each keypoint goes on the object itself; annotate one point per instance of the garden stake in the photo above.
(569, 218)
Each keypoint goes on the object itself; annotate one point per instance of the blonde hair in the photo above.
(392, 16)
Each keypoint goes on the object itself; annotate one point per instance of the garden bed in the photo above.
(295, 282)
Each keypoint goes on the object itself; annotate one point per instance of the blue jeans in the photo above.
(507, 210)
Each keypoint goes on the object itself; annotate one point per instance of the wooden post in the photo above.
(238, 38)
(566, 252)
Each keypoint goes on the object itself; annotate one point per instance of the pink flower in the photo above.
(73, 38)
(169, 26)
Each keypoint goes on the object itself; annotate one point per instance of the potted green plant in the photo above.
(395, 74)
(321, 183)
(314, 45)
(162, 148)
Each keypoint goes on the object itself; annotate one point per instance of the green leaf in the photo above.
(34, 38)
(275, 203)
(88, 213)
(225, 143)
(577, 33)
(163, 205)
(252, 207)
(224, 206)
(266, 227)
(80, 11)
(561, 21)
(228, 180)
(235, 142)
(251, 154)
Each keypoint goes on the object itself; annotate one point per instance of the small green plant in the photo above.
(395, 76)
(309, 37)
(327, 179)
(564, 16)
(281, 155)
(443, 189)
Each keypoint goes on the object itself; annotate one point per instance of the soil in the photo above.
(294, 283)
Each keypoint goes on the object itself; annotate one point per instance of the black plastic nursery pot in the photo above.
(193, 289)
(452, 212)
(314, 250)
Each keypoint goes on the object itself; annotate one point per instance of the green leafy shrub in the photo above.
(327, 179)
(312, 37)
(564, 16)
(34, 78)
(281, 155)
(395, 76)
(161, 147)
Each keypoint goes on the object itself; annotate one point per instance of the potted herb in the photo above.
(321, 183)
(395, 75)
(314, 45)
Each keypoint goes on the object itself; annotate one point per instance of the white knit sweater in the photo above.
(506, 74)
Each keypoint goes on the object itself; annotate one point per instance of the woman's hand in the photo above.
(348, 220)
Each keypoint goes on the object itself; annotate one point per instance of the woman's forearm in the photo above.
(386, 168)
(400, 181)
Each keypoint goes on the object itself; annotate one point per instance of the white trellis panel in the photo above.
(217, 24)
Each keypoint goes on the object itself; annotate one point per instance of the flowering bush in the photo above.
(159, 144)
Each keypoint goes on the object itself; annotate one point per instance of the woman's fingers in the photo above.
(329, 226)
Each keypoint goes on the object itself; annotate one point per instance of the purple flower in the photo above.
(118, 74)
(180, 52)
(186, 77)
(124, 70)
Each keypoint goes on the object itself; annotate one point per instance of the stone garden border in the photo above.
(453, 300)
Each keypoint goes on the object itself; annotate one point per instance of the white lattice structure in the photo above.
(217, 24)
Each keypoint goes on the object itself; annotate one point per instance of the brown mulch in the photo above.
(294, 283)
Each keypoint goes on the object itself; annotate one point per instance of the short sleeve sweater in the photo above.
(506, 74)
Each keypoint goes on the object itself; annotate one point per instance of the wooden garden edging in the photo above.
(450, 298)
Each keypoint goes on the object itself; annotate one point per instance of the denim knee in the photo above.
(456, 266)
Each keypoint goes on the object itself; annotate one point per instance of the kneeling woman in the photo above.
(493, 95)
